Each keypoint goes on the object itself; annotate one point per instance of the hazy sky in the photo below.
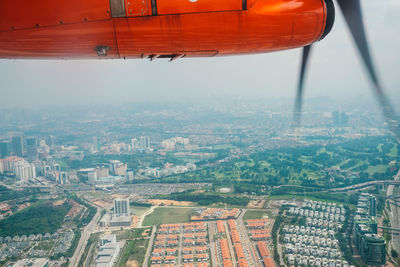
(335, 70)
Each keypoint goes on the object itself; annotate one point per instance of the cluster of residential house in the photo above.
(17, 246)
(314, 243)
(191, 238)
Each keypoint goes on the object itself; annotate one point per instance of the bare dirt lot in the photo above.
(102, 204)
(256, 204)
(132, 263)
(167, 202)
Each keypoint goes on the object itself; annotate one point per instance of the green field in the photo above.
(134, 250)
(167, 215)
(138, 210)
(129, 234)
(333, 165)
(254, 214)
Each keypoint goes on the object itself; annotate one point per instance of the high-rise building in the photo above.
(18, 145)
(31, 149)
(92, 177)
(129, 175)
(121, 207)
(371, 246)
(57, 167)
(168, 144)
(102, 172)
(344, 119)
(95, 143)
(134, 144)
(51, 142)
(372, 206)
(144, 142)
(63, 178)
(24, 170)
(373, 250)
(340, 118)
(5, 149)
(1, 166)
(117, 168)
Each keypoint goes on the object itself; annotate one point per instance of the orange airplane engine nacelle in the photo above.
(158, 28)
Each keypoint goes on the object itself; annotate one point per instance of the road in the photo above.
(366, 184)
(180, 247)
(230, 245)
(85, 234)
(144, 216)
(149, 247)
(213, 248)
(394, 215)
(247, 241)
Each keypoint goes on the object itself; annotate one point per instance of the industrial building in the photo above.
(108, 251)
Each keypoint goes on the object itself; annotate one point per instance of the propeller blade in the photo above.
(300, 88)
(351, 10)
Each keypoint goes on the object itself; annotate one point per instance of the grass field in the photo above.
(379, 168)
(137, 210)
(167, 215)
(129, 234)
(134, 250)
(253, 214)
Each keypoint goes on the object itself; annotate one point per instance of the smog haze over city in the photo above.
(198, 162)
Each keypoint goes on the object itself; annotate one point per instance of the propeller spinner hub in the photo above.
(330, 18)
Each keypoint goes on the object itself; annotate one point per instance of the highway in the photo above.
(394, 214)
(366, 184)
(85, 234)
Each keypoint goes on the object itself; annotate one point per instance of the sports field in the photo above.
(165, 215)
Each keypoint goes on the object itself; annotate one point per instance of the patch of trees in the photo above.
(285, 165)
(8, 194)
(89, 214)
(274, 233)
(37, 219)
(140, 204)
(248, 188)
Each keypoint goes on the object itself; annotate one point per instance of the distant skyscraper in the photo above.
(5, 148)
(63, 178)
(31, 149)
(17, 145)
(340, 118)
(117, 167)
(95, 143)
(51, 142)
(121, 207)
(144, 142)
(134, 144)
(344, 119)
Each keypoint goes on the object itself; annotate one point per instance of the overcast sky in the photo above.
(335, 71)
